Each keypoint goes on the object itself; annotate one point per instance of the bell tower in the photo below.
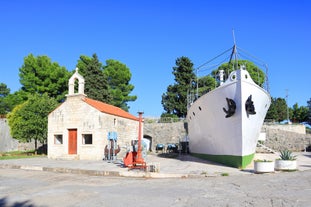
(71, 84)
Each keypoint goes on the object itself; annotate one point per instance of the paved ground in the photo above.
(24, 188)
(181, 166)
(185, 181)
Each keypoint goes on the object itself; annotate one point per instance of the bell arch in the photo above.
(71, 83)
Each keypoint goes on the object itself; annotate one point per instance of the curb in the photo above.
(133, 174)
(81, 171)
(61, 170)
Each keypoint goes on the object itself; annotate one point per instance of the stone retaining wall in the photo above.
(292, 137)
(7, 143)
(164, 133)
(278, 139)
(297, 128)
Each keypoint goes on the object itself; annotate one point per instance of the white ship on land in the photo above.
(225, 123)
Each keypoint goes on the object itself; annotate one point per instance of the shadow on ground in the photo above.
(5, 203)
(186, 157)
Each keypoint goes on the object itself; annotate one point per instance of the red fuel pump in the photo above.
(135, 159)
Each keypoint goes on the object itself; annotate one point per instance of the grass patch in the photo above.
(19, 155)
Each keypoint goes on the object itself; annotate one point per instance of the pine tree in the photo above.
(119, 87)
(96, 86)
(174, 101)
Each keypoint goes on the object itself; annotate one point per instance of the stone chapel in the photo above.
(81, 128)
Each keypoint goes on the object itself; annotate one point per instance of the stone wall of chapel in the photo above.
(76, 114)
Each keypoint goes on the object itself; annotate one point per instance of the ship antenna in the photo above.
(233, 37)
(234, 52)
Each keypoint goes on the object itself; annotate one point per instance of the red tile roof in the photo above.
(109, 109)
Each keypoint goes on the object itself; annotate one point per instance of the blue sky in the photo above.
(148, 36)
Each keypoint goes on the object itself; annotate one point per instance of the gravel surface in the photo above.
(36, 188)
(181, 181)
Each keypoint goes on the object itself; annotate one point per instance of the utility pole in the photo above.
(287, 113)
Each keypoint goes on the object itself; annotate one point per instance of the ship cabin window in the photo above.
(246, 76)
(58, 139)
(200, 108)
(193, 113)
(87, 139)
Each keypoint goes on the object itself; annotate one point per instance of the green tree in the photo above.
(277, 110)
(309, 110)
(206, 84)
(255, 72)
(175, 99)
(299, 114)
(8, 102)
(28, 121)
(119, 87)
(40, 75)
(4, 92)
(96, 86)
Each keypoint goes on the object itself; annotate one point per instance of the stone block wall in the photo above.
(8, 143)
(296, 128)
(292, 137)
(164, 133)
(278, 139)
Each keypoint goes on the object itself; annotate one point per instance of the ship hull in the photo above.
(230, 140)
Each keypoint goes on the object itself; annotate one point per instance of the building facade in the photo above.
(80, 128)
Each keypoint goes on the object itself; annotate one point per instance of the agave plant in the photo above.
(287, 155)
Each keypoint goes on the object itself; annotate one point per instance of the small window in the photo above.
(58, 139)
(87, 139)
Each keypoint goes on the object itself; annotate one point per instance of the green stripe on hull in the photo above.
(229, 160)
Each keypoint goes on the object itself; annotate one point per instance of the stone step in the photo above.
(68, 157)
(266, 148)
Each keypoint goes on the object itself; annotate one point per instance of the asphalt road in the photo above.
(23, 188)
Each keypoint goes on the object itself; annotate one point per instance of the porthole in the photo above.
(200, 108)
(193, 113)
(233, 77)
(246, 76)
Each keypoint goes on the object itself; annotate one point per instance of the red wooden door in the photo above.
(72, 141)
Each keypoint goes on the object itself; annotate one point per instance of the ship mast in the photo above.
(234, 53)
